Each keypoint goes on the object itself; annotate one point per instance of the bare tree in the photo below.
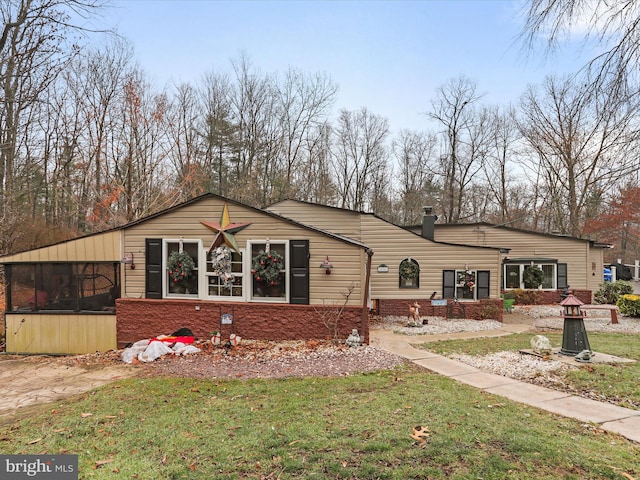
(256, 164)
(465, 136)
(583, 140)
(415, 155)
(34, 49)
(313, 177)
(359, 154)
(501, 161)
(304, 103)
(614, 26)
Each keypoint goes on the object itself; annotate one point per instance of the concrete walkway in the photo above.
(608, 417)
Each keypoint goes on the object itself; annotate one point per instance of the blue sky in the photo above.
(387, 56)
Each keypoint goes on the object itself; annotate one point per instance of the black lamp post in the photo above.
(574, 335)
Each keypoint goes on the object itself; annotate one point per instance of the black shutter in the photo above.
(563, 281)
(483, 278)
(448, 284)
(153, 260)
(299, 272)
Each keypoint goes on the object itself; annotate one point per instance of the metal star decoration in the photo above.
(225, 230)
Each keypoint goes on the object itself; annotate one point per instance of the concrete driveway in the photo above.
(24, 382)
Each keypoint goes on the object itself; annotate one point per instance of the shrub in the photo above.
(489, 311)
(629, 305)
(609, 292)
(526, 297)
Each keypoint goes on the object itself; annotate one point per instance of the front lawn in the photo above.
(353, 427)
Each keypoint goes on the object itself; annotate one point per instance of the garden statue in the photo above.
(355, 340)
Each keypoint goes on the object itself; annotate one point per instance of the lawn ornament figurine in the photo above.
(354, 340)
(414, 312)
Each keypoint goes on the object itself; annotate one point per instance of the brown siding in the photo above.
(348, 260)
(576, 253)
(391, 244)
(336, 220)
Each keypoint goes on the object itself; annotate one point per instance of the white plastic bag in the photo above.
(128, 354)
(153, 351)
(182, 349)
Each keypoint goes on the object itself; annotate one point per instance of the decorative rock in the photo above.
(541, 345)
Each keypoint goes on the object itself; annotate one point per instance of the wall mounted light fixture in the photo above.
(326, 264)
(128, 260)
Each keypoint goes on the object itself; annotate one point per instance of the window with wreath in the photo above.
(268, 270)
(466, 284)
(224, 273)
(181, 265)
(409, 273)
(532, 275)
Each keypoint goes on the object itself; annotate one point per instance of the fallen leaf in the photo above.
(34, 441)
(85, 415)
(421, 434)
(101, 463)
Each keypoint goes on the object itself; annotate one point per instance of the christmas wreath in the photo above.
(181, 266)
(266, 267)
(469, 279)
(409, 269)
(532, 276)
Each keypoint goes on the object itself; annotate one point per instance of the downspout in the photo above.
(364, 321)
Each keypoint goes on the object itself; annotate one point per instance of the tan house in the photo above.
(208, 264)
(453, 279)
(566, 261)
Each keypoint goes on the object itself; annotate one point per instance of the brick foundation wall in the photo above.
(144, 318)
(485, 309)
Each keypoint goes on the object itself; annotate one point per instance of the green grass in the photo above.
(618, 383)
(355, 427)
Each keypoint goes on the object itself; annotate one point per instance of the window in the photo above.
(268, 270)
(409, 274)
(283, 277)
(217, 285)
(514, 275)
(176, 284)
(75, 287)
(465, 284)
